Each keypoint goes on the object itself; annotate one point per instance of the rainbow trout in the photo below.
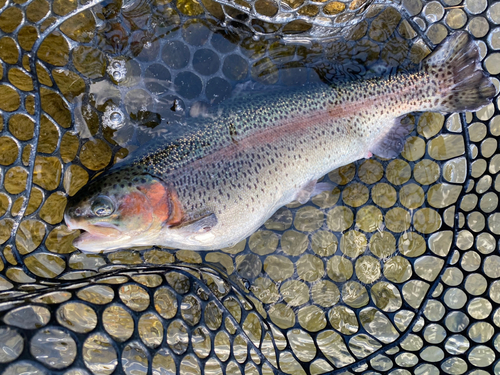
(215, 186)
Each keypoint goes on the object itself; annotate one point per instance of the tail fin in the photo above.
(456, 68)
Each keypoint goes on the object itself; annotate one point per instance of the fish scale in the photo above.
(214, 186)
(318, 142)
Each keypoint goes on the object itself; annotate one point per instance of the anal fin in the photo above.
(390, 144)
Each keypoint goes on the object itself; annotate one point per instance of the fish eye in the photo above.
(102, 206)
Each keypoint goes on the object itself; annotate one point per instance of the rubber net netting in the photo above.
(393, 272)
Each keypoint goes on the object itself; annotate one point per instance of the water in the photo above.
(380, 261)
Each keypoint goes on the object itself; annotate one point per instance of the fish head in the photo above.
(119, 210)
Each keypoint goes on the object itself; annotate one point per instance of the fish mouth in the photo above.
(94, 237)
(92, 243)
(101, 229)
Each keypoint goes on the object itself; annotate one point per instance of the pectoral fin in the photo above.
(390, 144)
(200, 224)
(311, 189)
(321, 187)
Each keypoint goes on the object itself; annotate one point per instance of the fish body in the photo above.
(215, 186)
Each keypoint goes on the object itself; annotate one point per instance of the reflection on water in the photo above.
(321, 286)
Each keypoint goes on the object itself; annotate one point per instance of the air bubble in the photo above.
(113, 118)
(116, 117)
(117, 76)
(177, 106)
(117, 69)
